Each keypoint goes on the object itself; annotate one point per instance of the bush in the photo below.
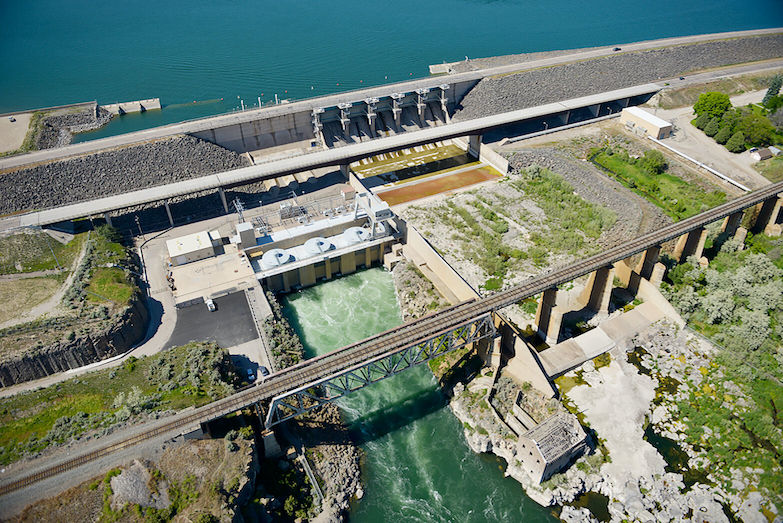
(756, 129)
(736, 143)
(654, 162)
(712, 128)
(713, 103)
(723, 135)
(701, 121)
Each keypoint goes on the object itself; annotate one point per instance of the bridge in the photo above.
(584, 107)
(291, 391)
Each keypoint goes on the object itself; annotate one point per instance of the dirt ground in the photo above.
(12, 133)
(24, 294)
(438, 185)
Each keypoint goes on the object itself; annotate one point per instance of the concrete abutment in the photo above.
(690, 244)
(549, 317)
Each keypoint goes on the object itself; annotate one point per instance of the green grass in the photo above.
(193, 374)
(675, 196)
(771, 169)
(33, 252)
(110, 283)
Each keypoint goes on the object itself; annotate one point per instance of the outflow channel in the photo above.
(418, 466)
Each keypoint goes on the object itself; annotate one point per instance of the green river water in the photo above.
(418, 465)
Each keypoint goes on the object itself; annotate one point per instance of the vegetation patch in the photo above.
(191, 375)
(24, 294)
(734, 412)
(647, 177)
(287, 348)
(37, 252)
(771, 169)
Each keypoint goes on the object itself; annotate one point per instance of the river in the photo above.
(200, 57)
(418, 466)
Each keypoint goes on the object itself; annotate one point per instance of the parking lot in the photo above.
(230, 325)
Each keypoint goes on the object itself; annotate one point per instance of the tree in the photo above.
(774, 103)
(774, 89)
(736, 143)
(701, 121)
(756, 129)
(712, 103)
(712, 128)
(723, 135)
(654, 162)
(777, 118)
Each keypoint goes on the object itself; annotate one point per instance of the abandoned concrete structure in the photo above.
(550, 446)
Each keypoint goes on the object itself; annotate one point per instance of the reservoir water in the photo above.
(200, 57)
(418, 466)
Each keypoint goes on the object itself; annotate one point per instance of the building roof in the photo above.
(556, 435)
(187, 244)
(648, 117)
(764, 153)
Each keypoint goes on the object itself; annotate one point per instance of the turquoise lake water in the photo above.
(418, 466)
(212, 52)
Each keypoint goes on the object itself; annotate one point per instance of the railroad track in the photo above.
(396, 339)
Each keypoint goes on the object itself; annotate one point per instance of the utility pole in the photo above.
(138, 224)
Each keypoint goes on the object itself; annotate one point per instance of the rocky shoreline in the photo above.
(57, 130)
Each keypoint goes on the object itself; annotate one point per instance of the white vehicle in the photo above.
(210, 305)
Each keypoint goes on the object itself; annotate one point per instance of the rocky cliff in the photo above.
(64, 355)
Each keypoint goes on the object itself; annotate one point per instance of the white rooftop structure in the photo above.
(190, 248)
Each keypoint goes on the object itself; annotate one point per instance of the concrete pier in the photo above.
(168, 213)
(690, 244)
(137, 106)
(549, 317)
(732, 222)
(648, 261)
(598, 291)
(768, 217)
(222, 194)
(474, 145)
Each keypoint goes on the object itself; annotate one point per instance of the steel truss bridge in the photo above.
(308, 397)
(373, 359)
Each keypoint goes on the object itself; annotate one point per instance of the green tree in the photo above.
(723, 135)
(702, 120)
(736, 143)
(712, 128)
(654, 162)
(712, 103)
(774, 89)
(757, 129)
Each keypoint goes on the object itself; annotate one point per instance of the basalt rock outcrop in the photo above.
(129, 329)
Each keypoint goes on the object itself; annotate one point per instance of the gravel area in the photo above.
(517, 91)
(475, 64)
(636, 215)
(113, 172)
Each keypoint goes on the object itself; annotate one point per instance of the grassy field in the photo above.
(110, 283)
(33, 252)
(675, 196)
(25, 294)
(771, 169)
(193, 374)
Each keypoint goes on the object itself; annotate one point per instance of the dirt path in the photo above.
(52, 303)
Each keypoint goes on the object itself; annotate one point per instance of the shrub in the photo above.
(653, 162)
(736, 143)
(712, 128)
(702, 120)
(712, 103)
(723, 135)
(756, 129)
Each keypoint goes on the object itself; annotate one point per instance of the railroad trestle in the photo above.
(325, 390)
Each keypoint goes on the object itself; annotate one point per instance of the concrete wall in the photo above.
(647, 292)
(418, 250)
(486, 155)
(259, 134)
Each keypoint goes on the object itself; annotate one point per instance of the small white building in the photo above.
(761, 154)
(638, 120)
(190, 248)
(774, 150)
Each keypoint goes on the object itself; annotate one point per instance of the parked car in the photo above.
(617, 49)
(263, 371)
(251, 377)
(211, 307)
